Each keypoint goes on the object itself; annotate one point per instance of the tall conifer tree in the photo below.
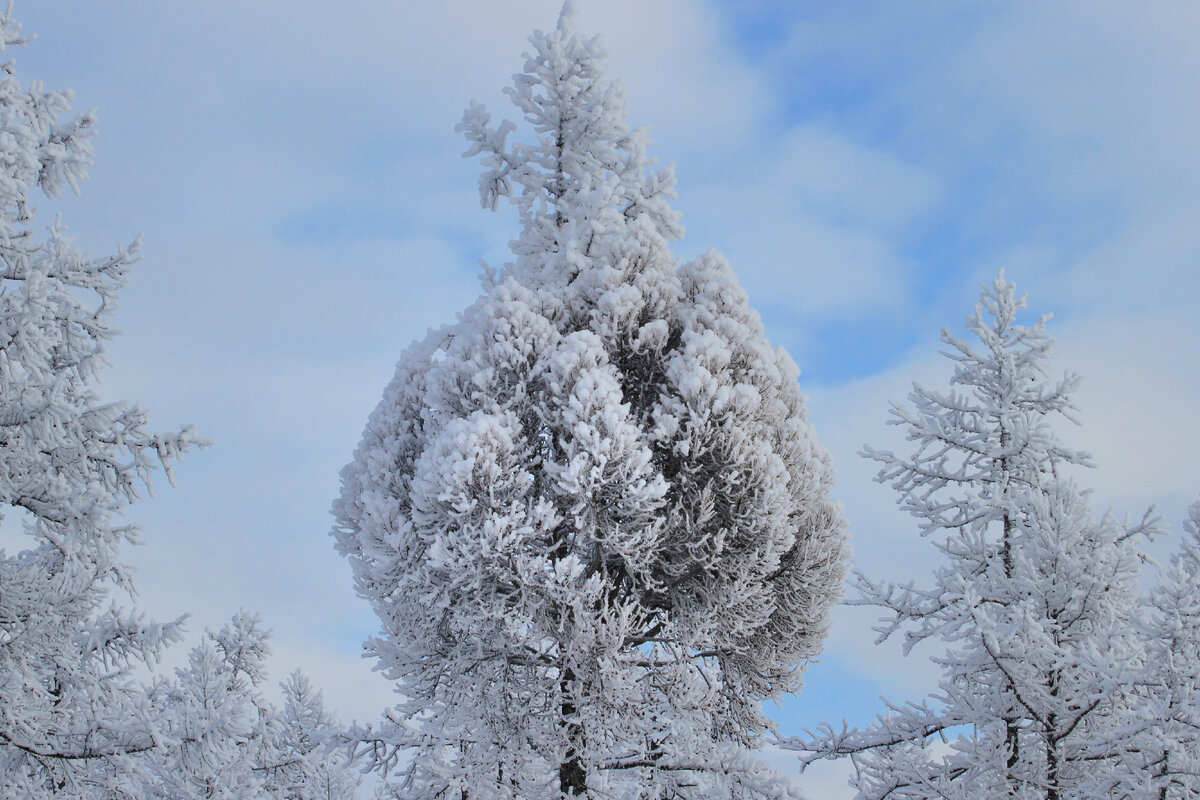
(71, 715)
(591, 515)
(1162, 728)
(1034, 601)
(77, 717)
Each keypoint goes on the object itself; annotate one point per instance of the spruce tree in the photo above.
(591, 515)
(1034, 601)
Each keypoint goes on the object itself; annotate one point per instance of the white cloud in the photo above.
(1138, 403)
(804, 266)
(685, 80)
(841, 180)
(823, 780)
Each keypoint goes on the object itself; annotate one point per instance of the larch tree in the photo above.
(1163, 727)
(78, 718)
(70, 712)
(591, 515)
(214, 720)
(302, 763)
(223, 741)
(1034, 601)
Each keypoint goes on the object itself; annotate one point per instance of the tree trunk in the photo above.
(572, 777)
(1052, 790)
(1011, 731)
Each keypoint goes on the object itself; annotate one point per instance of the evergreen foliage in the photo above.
(1162, 729)
(77, 716)
(1034, 601)
(591, 515)
(221, 739)
(69, 464)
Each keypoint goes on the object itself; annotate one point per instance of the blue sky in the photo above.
(864, 166)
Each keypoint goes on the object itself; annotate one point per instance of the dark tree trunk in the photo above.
(572, 777)
(1052, 790)
(1011, 731)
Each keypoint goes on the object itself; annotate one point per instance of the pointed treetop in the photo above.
(1012, 367)
(591, 514)
(566, 17)
(585, 176)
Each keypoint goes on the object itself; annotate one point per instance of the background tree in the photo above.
(214, 720)
(1163, 727)
(70, 714)
(224, 741)
(591, 515)
(304, 765)
(1033, 601)
(77, 718)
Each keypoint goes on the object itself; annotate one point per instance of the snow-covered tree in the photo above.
(70, 713)
(214, 730)
(591, 515)
(77, 718)
(1033, 600)
(221, 740)
(1162, 727)
(303, 764)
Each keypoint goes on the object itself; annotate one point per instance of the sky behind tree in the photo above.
(296, 174)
